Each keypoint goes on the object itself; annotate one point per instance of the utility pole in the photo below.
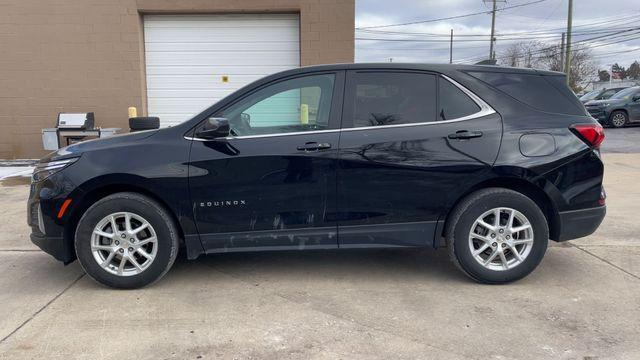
(493, 30)
(562, 53)
(451, 48)
(567, 58)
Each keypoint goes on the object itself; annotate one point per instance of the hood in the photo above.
(96, 144)
(602, 102)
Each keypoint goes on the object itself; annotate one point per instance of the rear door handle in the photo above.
(465, 134)
(314, 146)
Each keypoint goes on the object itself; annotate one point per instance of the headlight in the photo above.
(46, 169)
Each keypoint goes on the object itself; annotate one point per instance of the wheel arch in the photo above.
(520, 185)
(90, 197)
(619, 109)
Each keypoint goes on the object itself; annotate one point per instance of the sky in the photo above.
(616, 23)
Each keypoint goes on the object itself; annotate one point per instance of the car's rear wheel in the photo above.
(618, 119)
(497, 235)
(126, 240)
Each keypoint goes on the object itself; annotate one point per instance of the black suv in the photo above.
(490, 162)
(619, 110)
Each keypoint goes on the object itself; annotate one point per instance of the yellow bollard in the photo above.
(133, 112)
(304, 114)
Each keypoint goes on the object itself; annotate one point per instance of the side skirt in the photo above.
(388, 235)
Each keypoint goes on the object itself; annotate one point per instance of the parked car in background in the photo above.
(600, 94)
(621, 109)
(490, 162)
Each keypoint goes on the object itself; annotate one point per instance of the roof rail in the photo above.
(487, 62)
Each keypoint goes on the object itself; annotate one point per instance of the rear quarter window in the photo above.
(547, 93)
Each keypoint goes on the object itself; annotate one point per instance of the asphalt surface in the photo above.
(625, 140)
(583, 302)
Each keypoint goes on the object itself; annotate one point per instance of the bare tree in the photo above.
(534, 54)
(522, 54)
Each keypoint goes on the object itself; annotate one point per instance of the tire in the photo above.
(158, 240)
(618, 119)
(144, 123)
(481, 205)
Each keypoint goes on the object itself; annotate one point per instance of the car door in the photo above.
(272, 182)
(410, 143)
(634, 106)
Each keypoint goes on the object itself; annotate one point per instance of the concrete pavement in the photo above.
(583, 302)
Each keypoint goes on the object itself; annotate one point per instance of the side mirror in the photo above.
(213, 128)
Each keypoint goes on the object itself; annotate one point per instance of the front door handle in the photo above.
(314, 146)
(465, 134)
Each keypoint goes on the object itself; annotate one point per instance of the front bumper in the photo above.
(54, 246)
(47, 229)
(580, 223)
(600, 114)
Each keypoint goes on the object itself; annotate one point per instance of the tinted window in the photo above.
(626, 94)
(543, 92)
(590, 95)
(608, 93)
(389, 98)
(300, 104)
(454, 103)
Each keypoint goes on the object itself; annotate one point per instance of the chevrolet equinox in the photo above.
(489, 162)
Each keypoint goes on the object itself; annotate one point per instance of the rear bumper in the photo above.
(580, 223)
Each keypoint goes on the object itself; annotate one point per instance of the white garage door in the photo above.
(192, 61)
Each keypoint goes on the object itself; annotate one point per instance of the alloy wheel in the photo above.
(618, 120)
(124, 244)
(501, 239)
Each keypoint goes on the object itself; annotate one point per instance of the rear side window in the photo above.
(390, 98)
(543, 92)
(454, 103)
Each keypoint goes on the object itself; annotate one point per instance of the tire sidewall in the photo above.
(165, 234)
(626, 119)
(490, 201)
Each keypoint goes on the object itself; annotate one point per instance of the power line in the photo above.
(606, 34)
(448, 18)
(573, 51)
(585, 46)
(618, 19)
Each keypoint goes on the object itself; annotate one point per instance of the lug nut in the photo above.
(132, 240)
(117, 242)
(493, 235)
(494, 244)
(123, 236)
(121, 251)
(130, 249)
(504, 245)
(501, 231)
(508, 237)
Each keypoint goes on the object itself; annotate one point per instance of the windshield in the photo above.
(625, 94)
(590, 95)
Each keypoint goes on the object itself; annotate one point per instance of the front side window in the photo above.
(391, 98)
(295, 105)
(607, 94)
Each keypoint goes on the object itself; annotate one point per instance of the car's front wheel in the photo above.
(126, 240)
(497, 235)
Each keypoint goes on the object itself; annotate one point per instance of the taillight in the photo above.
(592, 134)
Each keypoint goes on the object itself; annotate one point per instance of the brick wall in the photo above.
(80, 55)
